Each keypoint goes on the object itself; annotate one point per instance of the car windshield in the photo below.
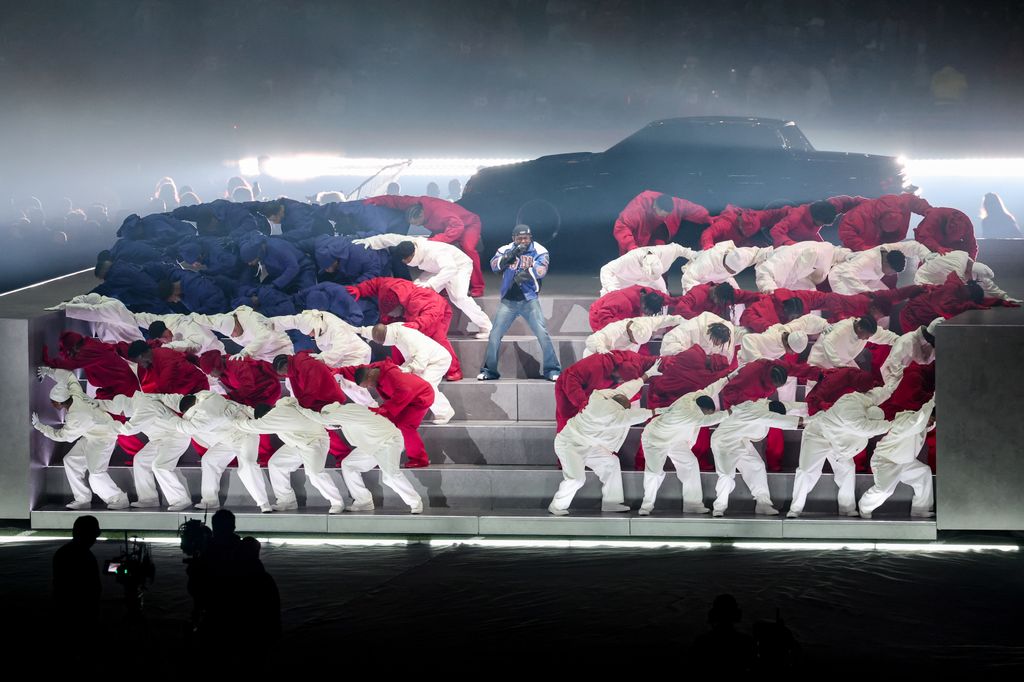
(717, 134)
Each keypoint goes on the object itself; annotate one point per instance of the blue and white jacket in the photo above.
(531, 287)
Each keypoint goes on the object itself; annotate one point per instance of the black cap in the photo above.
(520, 229)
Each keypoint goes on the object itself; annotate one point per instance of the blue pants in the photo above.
(507, 313)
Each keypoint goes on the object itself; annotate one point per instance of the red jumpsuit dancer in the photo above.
(407, 398)
(423, 309)
(248, 382)
(702, 299)
(604, 370)
(171, 372)
(799, 224)
(314, 386)
(770, 308)
(689, 371)
(753, 381)
(620, 305)
(880, 221)
(450, 223)
(104, 368)
(946, 300)
(834, 384)
(640, 225)
(947, 229)
(741, 225)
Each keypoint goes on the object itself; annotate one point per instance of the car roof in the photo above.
(749, 120)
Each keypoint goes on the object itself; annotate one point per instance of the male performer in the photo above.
(947, 229)
(630, 334)
(803, 223)
(339, 344)
(644, 266)
(936, 269)
(875, 268)
(251, 330)
(651, 219)
(720, 299)
(721, 263)
(841, 343)
(707, 330)
(634, 301)
(801, 266)
(742, 226)
(604, 370)
(880, 221)
(406, 399)
(162, 370)
(895, 461)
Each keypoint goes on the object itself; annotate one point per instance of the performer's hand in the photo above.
(35, 421)
(362, 242)
(238, 356)
(59, 306)
(353, 292)
(43, 371)
(653, 371)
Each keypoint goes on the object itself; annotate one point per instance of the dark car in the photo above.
(572, 200)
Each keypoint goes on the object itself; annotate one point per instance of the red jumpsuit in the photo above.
(620, 305)
(798, 225)
(915, 389)
(767, 310)
(425, 310)
(171, 372)
(314, 386)
(637, 225)
(945, 230)
(249, 382)
(450, 224)
(741, 225)
(880, 221)
(407, 398)
(699, 300)
(689, 371)
(841, 306)
(946, 300)
(753, 381)
(579, 380)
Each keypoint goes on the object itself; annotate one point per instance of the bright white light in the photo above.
(874, 546)
(308, 166)
(964, 168)
(48, 281)
(540, 543)
(810, 546)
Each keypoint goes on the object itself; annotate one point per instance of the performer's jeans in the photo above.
(507, 313)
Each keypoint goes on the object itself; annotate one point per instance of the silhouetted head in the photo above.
(242, 194)
(159, 330)
(281, 364)
(249, 549)
(822, 213)
(415, 214)
(652, 302)
(706, 404)
(454, 188)
(85, 531)
(405, 251)
(865, 327)
(393, 189)
(779, 376)
(777, 407)
(223, 523)
(140, 353)
(186, 403)
(663, 205)
(725, 612)
(433, 190)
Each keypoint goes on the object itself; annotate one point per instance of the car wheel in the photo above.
(543, 217)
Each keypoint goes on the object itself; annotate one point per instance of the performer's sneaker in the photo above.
(485, 376)
(765, 509)
(415, 465)
(145, 504)
(441, 421)
(483, 334)
(336, 509)
(644, 511)
(865, 515)
(416, 509)
(718, 513)
(696, 509)
(208, 507)
(455, 376)
(920, 514)
(181, 506)
(266, 508)
(851, 512)
(285, 506)
(553, 377)
(558, 512)
(120, 502)
(614, 508)
(360, 506)
(792, 514)
(77, 506)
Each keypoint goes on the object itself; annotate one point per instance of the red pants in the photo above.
(129, 444)
(439, 332)
(269, 443)
(774, 444)
(339, 448)
(408, 422)
(468, 243)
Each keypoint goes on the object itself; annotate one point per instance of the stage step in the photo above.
(509, 523)
(511, 400)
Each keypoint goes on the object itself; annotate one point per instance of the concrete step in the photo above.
(511, 400)
(565, 314)
(455, 487)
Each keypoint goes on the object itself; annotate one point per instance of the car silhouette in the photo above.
(571, 200)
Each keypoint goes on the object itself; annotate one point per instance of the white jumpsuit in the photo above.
(863, 272)
(908, 348)
(936, 268)
(768, 344)
(590, 439)
(694, 332)
(376, 442)
(838, 434)
(800, 266)
(895, 461)
(96, 433)
(306, 444)
(732, 445)
(709, 265)
(613, 336)
(258, 338)
(671, 435)
(644, 266)
(449, 270)
(838, 346)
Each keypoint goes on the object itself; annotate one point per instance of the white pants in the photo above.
(589, 350)
(433, 374)
(610, 281)
(216, 461)
(575, 459)
(386, 457)
(288, 458)
(687, 470)
(814, 450)
(748, 462)
(92, 456)
(889, 474)
(458, 293)
(157, 463)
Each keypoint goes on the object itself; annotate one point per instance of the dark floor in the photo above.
(597, 608)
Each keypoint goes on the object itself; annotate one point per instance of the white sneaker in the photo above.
(440, 421)
(695, 509)
(792, 514)
(266, 508)
(558, 512)
(850, 512)
(553, 377)
(483, 334)
(285, 506)
(765, 509)
(208, 506)
(77, 506)
(484, 376)
(119, 502)
(614, 508)
(336, 509)
(181, 506)
(718, 513)
(865, 515)
(360, 506)
(920, 514)
(644, 511)
(416, 509)
(145, 504)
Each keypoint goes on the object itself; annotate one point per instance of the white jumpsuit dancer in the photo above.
(862, 271)
(721, 263)
(800, 266)
(256, 334)
(895, 461)
(695, 332)
(644, 266)
(839, 346)
(936, 268)
(628, 334)
(96, 433)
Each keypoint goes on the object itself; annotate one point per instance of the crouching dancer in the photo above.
(895, 461)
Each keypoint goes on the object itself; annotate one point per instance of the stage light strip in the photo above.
(963, 168)
(48, 281)
(875, 546)
(498, 543)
